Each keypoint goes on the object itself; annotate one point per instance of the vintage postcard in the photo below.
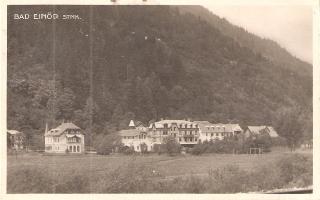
(155, 99)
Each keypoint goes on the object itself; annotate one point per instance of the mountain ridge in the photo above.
(267, 47)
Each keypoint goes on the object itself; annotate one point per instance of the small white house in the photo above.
(135, 137)
(209, 131)
(16, 139)
(66, 138)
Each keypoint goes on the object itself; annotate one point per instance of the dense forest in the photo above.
(145, 63)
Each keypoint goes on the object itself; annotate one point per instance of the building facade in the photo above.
(66, 138)
(16, 140)
(187, 133)
(209, 131)
(135, 137)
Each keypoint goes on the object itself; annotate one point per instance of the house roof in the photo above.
(61, 128)
(256, 129)
(131, 124)
(209, 127)
(138, 123)
(263, 129)
(160, 124)
(13, 132)
(272, 132)
(129, 132)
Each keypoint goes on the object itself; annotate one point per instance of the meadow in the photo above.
(40, 173)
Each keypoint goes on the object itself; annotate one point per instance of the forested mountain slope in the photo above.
(266, 47)
(148, 63)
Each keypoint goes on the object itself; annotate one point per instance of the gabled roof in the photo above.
(160, 124)
(209, 127)
(138, 123)
(272, 132)
(263, 129)
(13, 132)
(131, 124)
(61, 128)
(256, 129)
(129, 132)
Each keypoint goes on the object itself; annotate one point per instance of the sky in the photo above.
(289, 26)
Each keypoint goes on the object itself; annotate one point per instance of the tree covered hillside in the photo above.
(143, 63)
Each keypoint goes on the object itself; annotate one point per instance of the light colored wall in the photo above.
(62, 145)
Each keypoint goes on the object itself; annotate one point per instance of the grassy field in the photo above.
(165, 167)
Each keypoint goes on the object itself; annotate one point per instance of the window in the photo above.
(70, 148)
(211, 134)
(217, 134)
(165, 132)
(125, 137)
(206, 134)
(195, 139)
(74, 148)
(179, 139)
(78, 148)
(186, 126)
(137, 147)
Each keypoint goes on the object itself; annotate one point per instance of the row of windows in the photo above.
(218, 134)
(213, 127)
(183, 132)
(73, 131)
(74, 148)
(74, 140)
(54, 139)
(132, 137)
(182, 126)
(189, 139)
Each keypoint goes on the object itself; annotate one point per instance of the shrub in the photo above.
(229, 179)
(144, 148)
(129, 151)
(199, 149)
(171, 145)
(104, 144)
(296, 169)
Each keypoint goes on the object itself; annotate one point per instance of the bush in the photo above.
(171, 145)
(227, 145)
(199, 149)
(144, 148)
(105, 144)
(296, 169)
(129, 151)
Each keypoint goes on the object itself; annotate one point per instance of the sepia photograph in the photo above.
(164, 99)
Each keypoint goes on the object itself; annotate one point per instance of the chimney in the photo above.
(46, 128)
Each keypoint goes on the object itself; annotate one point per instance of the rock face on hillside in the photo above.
(147, 63)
